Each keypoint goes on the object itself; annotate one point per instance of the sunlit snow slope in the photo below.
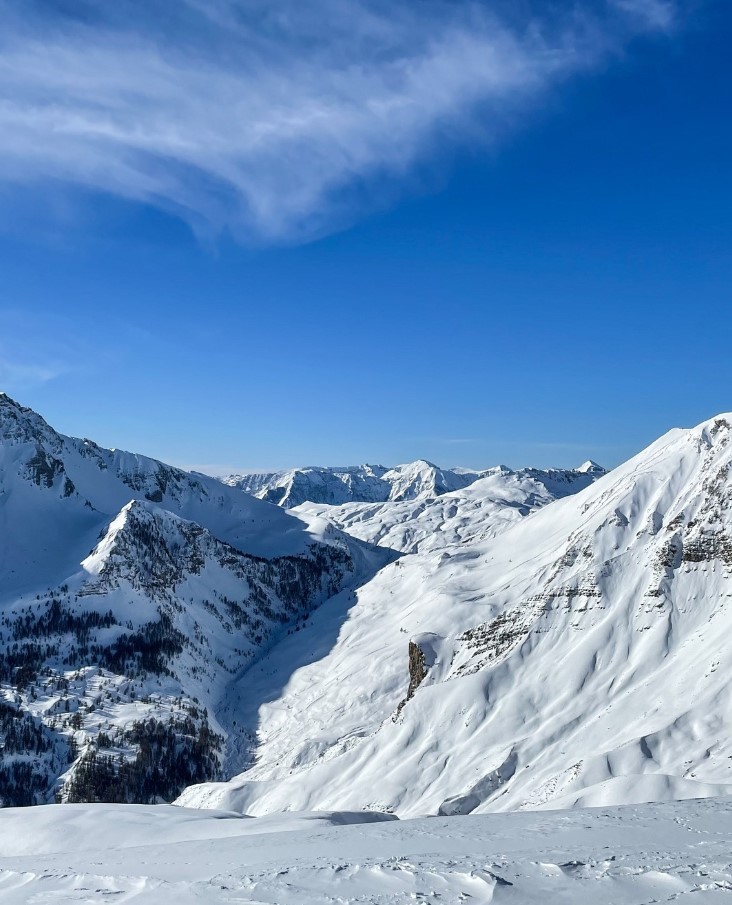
(481, 510)
(581, 657)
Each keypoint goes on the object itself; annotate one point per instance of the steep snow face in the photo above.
(171, 856)
(363, 483)
(590, 467)
(480, 511)
(579, 658)
(55, 488)
(423, 479)
(152, 624)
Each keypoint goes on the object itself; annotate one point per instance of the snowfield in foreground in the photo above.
(147, 855)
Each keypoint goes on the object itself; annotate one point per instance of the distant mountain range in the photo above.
(482, 509)
(358, 483)
(368, 483)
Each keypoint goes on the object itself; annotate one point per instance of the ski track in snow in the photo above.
(678, 852)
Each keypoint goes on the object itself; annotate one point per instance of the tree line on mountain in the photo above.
(30, 755)
(170, 756)
(133, 653)
(153, 760)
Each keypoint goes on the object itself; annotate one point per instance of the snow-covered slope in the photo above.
(133, 592)
(55, 487)
(482, 510)
(580, 657)
(360, 483)
(170, 856)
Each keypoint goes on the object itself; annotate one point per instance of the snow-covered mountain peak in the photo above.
(497, 469)
(590, 467)
(150, 543)
(19, 424)
(352, 484)
(578, 657)
(187, 582)
(418, 465)
(421, 479)
(13, 411)
(717, 429)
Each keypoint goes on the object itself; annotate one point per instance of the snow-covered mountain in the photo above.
(530, 639)
(131, 594)
(579, 657)
(359, 483)
(48, 480)
(481, 510)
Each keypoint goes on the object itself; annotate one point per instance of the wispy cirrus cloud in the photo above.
(278, 120)
(31, 354)
(655, 14)
(24, 374)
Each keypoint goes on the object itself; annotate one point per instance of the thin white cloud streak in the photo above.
(654, 14)
(35, 351)
(17, 375)
(277, 120)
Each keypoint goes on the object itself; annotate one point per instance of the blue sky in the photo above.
(242, 235)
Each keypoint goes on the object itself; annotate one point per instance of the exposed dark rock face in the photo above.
(43, 468)
(417, 668)
(417, 671)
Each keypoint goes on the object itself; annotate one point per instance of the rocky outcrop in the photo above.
(418, 668)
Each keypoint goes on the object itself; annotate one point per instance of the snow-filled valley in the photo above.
(135, 598)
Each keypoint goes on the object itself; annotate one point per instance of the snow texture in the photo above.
(677, 852)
